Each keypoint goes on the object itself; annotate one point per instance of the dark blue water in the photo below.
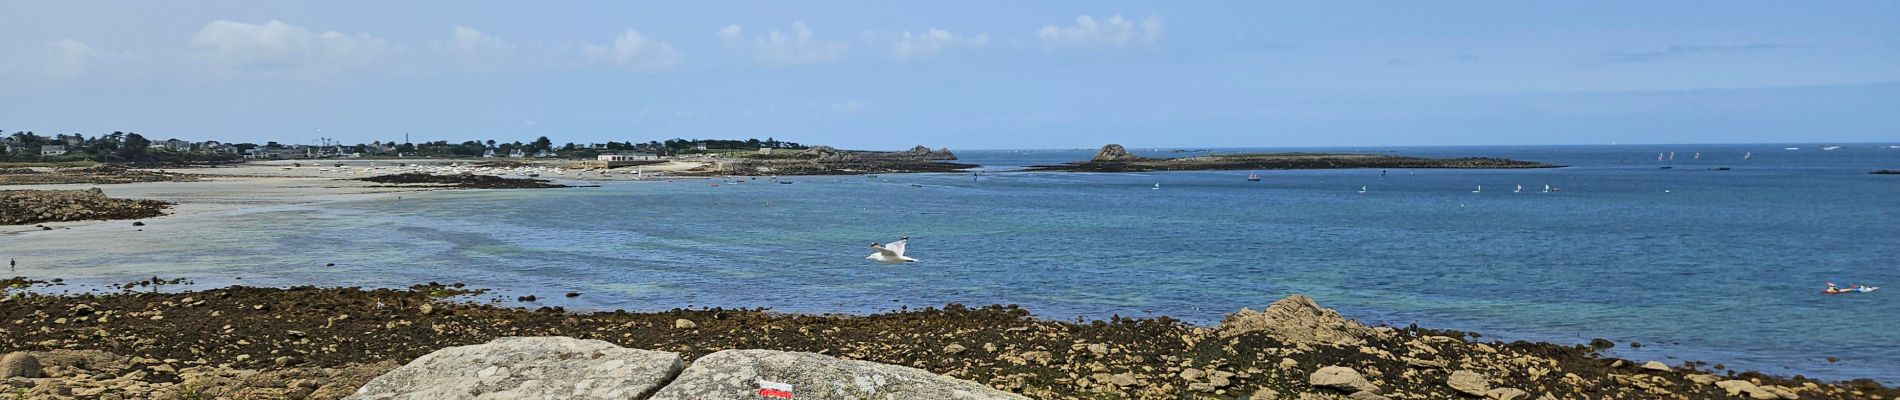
(1695, 263)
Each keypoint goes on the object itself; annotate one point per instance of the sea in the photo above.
(1714, 253)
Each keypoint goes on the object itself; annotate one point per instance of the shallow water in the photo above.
(1695, 263)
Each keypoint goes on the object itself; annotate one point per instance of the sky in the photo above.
(963, 75)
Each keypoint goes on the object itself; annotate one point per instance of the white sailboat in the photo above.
(1672, 156)
(1362, 189)
(1698, 156)
(1746, 156)
(1479, 190)
(1659, 156)
(1546, 188)
(1519, 189)
(1157, 187)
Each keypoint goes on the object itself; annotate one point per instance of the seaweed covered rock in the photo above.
(465, 181)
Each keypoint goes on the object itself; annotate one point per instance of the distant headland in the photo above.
(1114, 158)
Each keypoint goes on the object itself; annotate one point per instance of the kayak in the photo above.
(1862, 289)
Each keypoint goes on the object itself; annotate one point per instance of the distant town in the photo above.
(129, 147)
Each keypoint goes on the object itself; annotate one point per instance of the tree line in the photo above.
(132, 147)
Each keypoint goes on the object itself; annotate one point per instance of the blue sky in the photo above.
(1055, 74)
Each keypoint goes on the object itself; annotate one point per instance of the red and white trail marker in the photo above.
(775, 389)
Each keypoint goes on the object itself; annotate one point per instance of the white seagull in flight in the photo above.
(891, 254)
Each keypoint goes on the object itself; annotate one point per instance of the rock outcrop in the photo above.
(925, 153)
(1342, 379)
(1297, 320)
(1468, 382)
(36, 206)
(767, 374)
(567, 368)
(830, 154)
(1113, 153)
(527, 368)
(20, 365)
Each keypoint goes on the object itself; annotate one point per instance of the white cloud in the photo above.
(910, 46)
(68, 59)
(800, 46)
(1115, 31)
(276, 45)
(729, 33)
(474, 47)
(636, 51)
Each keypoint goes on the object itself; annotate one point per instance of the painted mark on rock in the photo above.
(775, 389)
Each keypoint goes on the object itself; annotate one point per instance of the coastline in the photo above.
(275, 191)
(340, 337)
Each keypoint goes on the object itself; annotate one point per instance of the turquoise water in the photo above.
(1695, 263)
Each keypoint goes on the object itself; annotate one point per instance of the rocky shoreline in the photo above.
(1114, 158)
(19, 207)
(463, 181)
(305, 342)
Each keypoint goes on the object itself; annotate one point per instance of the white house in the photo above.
(52, 150)
(489, 153)
(516, 153)
(701, 146)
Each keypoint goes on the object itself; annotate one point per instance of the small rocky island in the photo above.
(826, 160)
(20, 207)
(1114, 158)
(1887, 172)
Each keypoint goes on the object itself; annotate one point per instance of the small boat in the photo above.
(1698, 156)
(784, 182)
(1157, 187)
(1791, 148)
(1253, 177)
(1479, 190)
(1748, 155)
(1548, 189)
(1362, 189)
(1830, 147)
(1672, 156)
(1519, 189)
(1659, 156)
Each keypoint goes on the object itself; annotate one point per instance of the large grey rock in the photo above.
(1113, 152)
(758, 374)
(20, 365)
(1341, 378)
(1468, 382)
(527, 368)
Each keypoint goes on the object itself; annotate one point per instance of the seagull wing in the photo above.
(897, 247)
(887, 252)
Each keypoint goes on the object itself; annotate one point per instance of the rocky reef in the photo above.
(1886, 172)
(326, 343)
(827, 160)
(100, 175)
(462, 181)
(1114, 158)
(37, 206)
